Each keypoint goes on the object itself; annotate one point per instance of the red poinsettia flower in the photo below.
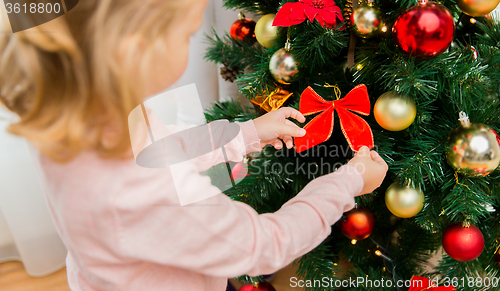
(324, 11)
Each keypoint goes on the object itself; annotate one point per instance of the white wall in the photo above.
(6, 240)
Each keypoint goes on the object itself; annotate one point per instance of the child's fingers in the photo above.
(293, 113)
(278, 144)
(292, 130)
(288, 141)
(376, 157)
(364, 151)
(290, 123)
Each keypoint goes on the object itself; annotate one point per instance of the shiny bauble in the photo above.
(262, 286)
(394, 111)
(473, 149)
(462, 243)
(477, 7)
(367, 21)
(283, 67)
(244, 30)
(239, 171)
(404, 201)
(265, 32)
(357, 223)
(424, 31)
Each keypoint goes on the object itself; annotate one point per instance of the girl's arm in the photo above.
(217, 142)
(221, 141)
(218, 236)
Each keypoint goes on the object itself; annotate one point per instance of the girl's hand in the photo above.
(371, 166)
(274, 126)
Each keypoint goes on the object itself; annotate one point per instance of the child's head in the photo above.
(74, 80)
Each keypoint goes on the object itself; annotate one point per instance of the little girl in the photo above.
(73, 82)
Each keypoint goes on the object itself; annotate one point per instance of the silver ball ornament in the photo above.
(367, 21)
(473, 149)
(283, 67)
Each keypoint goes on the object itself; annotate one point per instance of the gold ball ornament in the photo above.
(394, 112)
(477, 7)
(283, 67)
(265, 32)
(404, 201)
(473, 149)
(367, 20)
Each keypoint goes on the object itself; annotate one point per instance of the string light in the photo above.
(380, 254)
(384, 29)
(354, 241)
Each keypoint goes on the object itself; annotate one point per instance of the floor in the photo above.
(13, 277)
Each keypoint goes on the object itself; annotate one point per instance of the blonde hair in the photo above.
(66, 83)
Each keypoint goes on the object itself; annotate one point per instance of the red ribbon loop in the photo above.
(356, 130)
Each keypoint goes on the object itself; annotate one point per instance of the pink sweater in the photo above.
(125, 230)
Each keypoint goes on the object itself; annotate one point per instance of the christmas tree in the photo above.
(431, 71)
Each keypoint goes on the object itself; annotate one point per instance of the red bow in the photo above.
(421, 284)
(356, 130)
(326, 12)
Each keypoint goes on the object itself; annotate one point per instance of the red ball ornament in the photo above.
(462, 243)
(425, 30)
(239, 171)
(262, 286)
(244, 30)
(358, 223)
